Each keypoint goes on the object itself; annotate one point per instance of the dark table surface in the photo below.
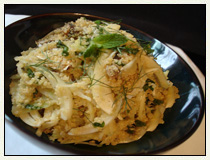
(181, 25)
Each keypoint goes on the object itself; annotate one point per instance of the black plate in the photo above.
(181, 120)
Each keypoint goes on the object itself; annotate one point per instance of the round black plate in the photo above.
(181, 120)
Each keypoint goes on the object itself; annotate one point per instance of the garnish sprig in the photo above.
(106, 41)
(146, 45)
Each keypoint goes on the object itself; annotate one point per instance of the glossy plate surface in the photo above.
(181, 120)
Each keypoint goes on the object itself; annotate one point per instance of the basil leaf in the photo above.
(110, 40)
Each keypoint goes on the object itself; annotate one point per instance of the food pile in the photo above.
(89, 82)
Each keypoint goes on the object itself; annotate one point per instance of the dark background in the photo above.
(181, 25)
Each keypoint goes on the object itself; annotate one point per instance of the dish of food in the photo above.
(91, 83)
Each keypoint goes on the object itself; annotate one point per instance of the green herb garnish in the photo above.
(154, 102)
(146, 46)
(147, 86)
(30, 73)
(32, 107)
(92, 50)
(110, 40)
(147, 101)
(130, 129)
(127, 49)
(149, 80)
(104, 41)
(157, 102)
(98, 22)
(96, 124)
(139, 123)
(65, 48)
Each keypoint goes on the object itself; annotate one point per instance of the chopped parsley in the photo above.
(30, 73)
(83, 110)
(147, 86)
(130, 129)
(32, 107)
(154, 102)
(149, 80)
(65, 48)
(139, 123)
(97, 124)
(157, 102)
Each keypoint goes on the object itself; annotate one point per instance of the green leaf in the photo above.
(127, 49)
(32, 107)
(130, 129)
(97, 22)
(139, 123)
(92, 50)
(157, 102)
(110, 40)
(104, 41)
(149, 80)
(146, 46)
(30, 73)
(146, 87)
(96, 124)
(65, 48)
